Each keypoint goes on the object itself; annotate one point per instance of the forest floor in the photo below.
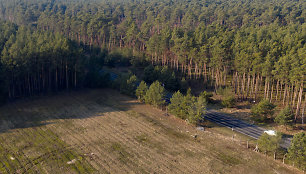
(102, 131)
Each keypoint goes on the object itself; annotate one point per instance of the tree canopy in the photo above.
(259, 44)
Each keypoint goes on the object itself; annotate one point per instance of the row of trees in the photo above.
(296, 152)
(186, 107)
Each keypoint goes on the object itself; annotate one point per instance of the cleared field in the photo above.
(102, 131)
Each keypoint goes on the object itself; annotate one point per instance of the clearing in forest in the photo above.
(102, 131)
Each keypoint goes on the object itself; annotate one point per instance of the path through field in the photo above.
(102, 131)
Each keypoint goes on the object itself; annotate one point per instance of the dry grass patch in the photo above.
(102, 131)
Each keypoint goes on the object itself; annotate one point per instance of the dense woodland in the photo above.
(255, 46)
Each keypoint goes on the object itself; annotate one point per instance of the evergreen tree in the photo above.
(269, 143)
(285, 117)
(263, 110)
(141, 91)
(128, 85)
(207, 96)
(149, 74)
(199, 110)
(155, 94)
(297, 150)
(175, 107)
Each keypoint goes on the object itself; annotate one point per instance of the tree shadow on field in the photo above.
(81, 104)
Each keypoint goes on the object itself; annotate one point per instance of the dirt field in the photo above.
(102, 131)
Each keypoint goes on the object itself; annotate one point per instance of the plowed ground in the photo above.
(102, 131)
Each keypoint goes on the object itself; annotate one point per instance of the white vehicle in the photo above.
(270, 132)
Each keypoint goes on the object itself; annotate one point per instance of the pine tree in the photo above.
(269, 143)
(285, 117)
(200, 110)
(297, 150)
(141, 91)
(155, 94)
(175, 107)
(263, 110)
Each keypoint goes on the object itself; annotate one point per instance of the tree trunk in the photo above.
(260, 83)
(212, 77)
(271, 98)
(56, 79)
(75, 76)
(253, 84)
(67, 85)
(243, 86)
(189, 69)
(303, 110)
(284, 158)
(288, 94)
(233, 83)
(295, 95)
(285, 91)
(274, 155)
(281, 90)
(200, 72)
(248, 86)
(182, 68)
(42, 77)
(277, 85)
(299, 102)
(265, 92)
(268, 90)
(238, 85)
(224, 76)
(256, 87)
(291, 93)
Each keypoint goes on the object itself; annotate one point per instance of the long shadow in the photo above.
(82, 104)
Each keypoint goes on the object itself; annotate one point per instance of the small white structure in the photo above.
(270, 132)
